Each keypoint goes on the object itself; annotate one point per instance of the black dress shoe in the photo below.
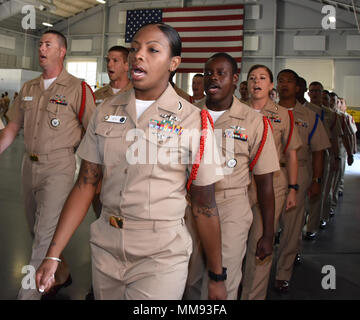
(297, 260)
(282, 286)
(332, 212)
(323, 224)
(90, 294)
(51, 294)
(310, 236)
(340, 193)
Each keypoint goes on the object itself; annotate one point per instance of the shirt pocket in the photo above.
(111, 140)
(58, 115)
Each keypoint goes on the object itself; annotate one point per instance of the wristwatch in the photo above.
(317, 180)
(293, 186)
(218, 277)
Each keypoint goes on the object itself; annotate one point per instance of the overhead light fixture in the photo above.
(47, 24)
(101, 1)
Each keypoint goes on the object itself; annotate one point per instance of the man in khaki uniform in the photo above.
(198, 88)
(287, 141)
(344, 149)
(244, 93)
(327, 116)
(117, 69)
(48, 108)
(314, 141)
(241, 131)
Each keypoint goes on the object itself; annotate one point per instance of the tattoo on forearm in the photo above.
(90, 173)
(203, 201)
(206, 211)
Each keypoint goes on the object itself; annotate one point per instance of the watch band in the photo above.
(218, 277)
(293, 186)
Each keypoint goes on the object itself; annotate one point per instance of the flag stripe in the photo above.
(209, 28)
(200, 60)
(206, 18)
(206, 54)
(212, 49)
(210, 39)
(214, 8)
(227, 44)
(201, 23)
(183, 35)
(201, 13)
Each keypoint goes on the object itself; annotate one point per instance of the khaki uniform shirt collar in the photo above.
(168, 101)
(237, 110)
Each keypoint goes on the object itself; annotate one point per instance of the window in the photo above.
(85, 70)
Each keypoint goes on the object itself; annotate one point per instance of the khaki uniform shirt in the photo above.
(50, 117)
(281, 127)
(107, 91)
(246, 124)
(146, 179)
(305, 121)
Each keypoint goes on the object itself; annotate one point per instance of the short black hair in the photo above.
(317, 83)
(257, 66)
(296, 76)
(243, 82)
(61, 37)
(333, 94)
(302, 80)
(171, 34)
(198, 75)
(229, 58)
(123, 50)
(325, 91)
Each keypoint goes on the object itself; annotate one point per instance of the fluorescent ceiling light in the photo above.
(101, 1)
(47, 24)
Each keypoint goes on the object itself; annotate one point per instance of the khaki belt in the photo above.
(50, 156)
(119, 222)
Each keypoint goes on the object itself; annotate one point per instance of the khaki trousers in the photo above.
(46, 185)
(145, 260)
(256, 272)
(235, 219)
(338, 179)
(291, 223)
(316, 205)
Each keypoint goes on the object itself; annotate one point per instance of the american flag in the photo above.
(203, 31)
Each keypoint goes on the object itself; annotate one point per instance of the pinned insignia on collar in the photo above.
(180, 106)
(59, 100)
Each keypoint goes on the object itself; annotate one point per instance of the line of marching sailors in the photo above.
(140, 243)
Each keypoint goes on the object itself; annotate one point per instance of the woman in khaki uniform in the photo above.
(287, 140)
(243, 133)
(140, 245)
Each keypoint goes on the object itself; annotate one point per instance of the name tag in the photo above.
(115, 119)
(27, 98)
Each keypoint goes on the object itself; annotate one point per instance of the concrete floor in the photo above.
(338, 245)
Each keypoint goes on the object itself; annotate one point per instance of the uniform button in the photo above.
(126, 171)
(120, 193)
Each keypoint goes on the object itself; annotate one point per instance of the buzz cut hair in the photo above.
(123, 50)
(60, 36)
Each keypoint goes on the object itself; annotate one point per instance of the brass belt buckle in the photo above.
(34, 157)
(116, 222)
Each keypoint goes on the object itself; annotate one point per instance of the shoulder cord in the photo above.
(291, 115)
(314, 128)
(83, 99)
(204, 117)
(263, 140)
